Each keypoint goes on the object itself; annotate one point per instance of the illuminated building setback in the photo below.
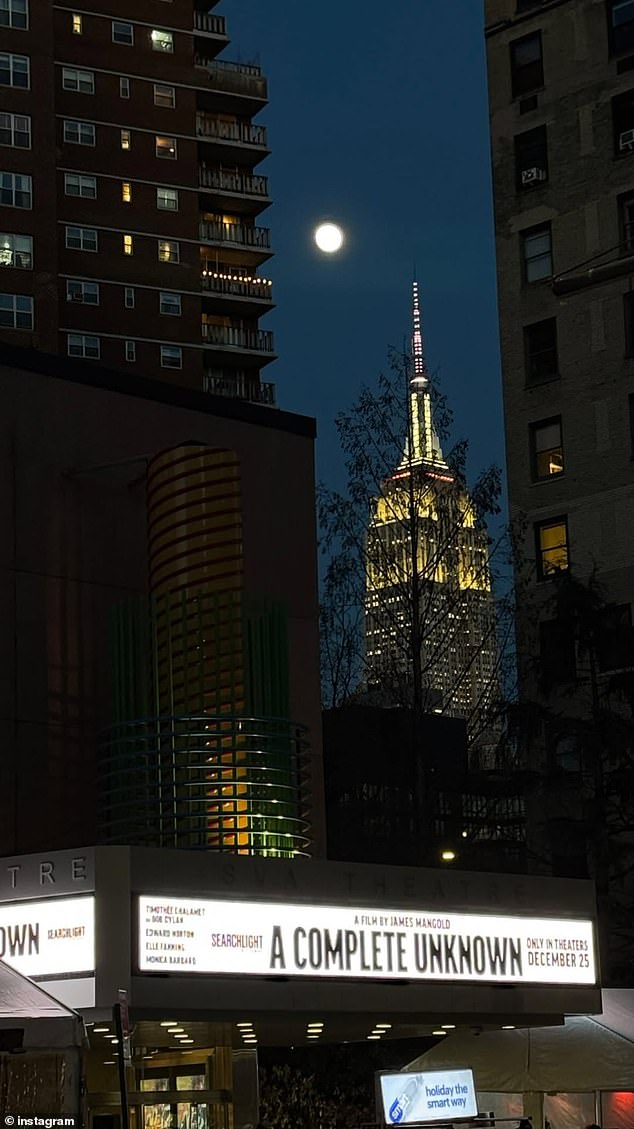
(427, 571)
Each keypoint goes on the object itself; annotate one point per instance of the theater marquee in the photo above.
(51, 937)
(195, 935)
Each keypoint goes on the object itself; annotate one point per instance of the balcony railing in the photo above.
(235, 78)
(241, 285)
(239, 233)
(239, 387)
(234, 337)
(213, 25)
(246, 184)
(241, 132)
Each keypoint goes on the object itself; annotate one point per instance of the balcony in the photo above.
(243, 80)
(235, 337)
(231, 133)
(238, 386)
(208, 24)
(241, 286)
(233, 183)
(235, 234)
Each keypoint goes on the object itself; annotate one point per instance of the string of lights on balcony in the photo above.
(238, 278)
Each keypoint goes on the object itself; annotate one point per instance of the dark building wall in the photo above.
(73, 508)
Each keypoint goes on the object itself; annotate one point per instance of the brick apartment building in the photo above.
(129, 203)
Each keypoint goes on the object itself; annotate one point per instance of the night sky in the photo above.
(378, 119)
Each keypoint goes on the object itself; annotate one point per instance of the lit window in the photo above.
(16, 190)
(15, 130)
(79, 133)
(124, 87)
(165, 147)
(14, 70)
(168, 251)
(547, 451)
(130, 351)
(126, 192)
(16, 311)
(164, 96)
(83, 345)
(77, 24)
(171, 356)
(621, 26)
(540, 349)
(81, 81)
(128, 246)
(537, 254)
(170, 304)
(552, 547)
(167, 199)
(527, 67)
(162, 41)
(86, 292)
(14, 13)
(78, 185)
(81, 238)
(126, 140)
(129, 298)
(16, 251)
(122, 33)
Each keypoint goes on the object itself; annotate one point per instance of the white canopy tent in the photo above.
(47, 1024)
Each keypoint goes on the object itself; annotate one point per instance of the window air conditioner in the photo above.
(626, 140)
(533, 176)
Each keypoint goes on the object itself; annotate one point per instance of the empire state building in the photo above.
(430, 632)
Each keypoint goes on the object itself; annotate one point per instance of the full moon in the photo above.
(328, 237)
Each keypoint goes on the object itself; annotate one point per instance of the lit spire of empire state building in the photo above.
(428, 579)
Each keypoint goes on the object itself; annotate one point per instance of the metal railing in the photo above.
(235, 78)
(218, 232)
(238, 386)
(215, 25)
(241, 132)
(235, 337)
(241, 286)
(246, 184)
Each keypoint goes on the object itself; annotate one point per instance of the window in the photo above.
(126, 192)
(16, 251)
(128, 245)
(171, 356)
(128, 299)
(86, 292)
(77, 24)
(621, 26)
(623, 123)
(79, 133)
(16, 311)
(126, 140)
(167, 199)
(537, 255)
(540, 351)
(170, 304)
(626, 222)
(124, 87)
(531, 158)
(81, 238)
(168, 251)
(130, 351)
(547, 451)
(551, 538)
(615, 638)
(122, 33)
(15, 130)
(78, 185)
(165, 147)
(162, 41)
(14, 70)
(557, 657)
(527, 67)
(14, 13)
(83, 345)
(15, 190)
(81, 81)
(164, 96)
